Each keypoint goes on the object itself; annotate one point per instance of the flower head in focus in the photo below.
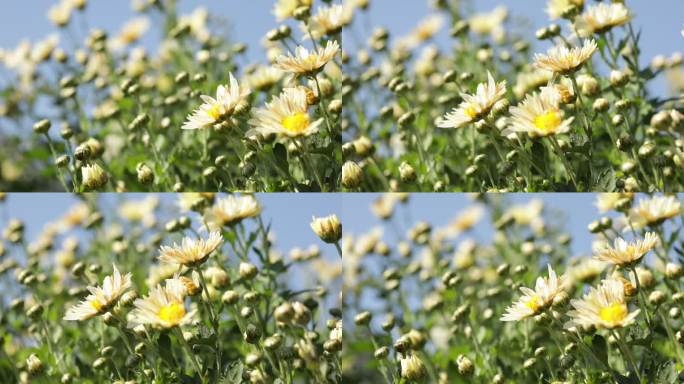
(305, 62)
(563, 60)
(475, 106)
(602, 307)
(229, 100)
(191, 252)
(286, 115)
(163, 307)
(533, 302)
(602, 17)
(101, 299)
(624, 253)
(540, 114)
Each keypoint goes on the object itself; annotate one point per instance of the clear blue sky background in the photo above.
(661, 21)
(290, 213)
(249, 20)
(577, 209)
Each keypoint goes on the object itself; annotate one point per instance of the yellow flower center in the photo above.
(296, 123)
(548, 122)
(95, 303)
(215, 112)
(470, 111)
(613, 313)
(533, 303)
(172, 313)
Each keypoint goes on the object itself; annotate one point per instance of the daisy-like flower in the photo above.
(558, 8)
(533, 302)
(191, 252)
(232, 210)
(101, 299)
(286, 8)
(490, 23)
(476, 106)
(286, 115)
(229, 100)
(607, 201)
(327, 21)
(130, 32)
(601, 18)
(654, 211)
(305, 62)
(563, 60)
(264, 77)
(602, 307)
(163, 307)
(624, 253)
(540, 114)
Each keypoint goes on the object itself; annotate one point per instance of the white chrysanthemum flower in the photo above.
(327, 21)
(101, 299)
(654, 211)
(60, 13)
(609, 200)
(191, 252)
(535, 301)
(163, 307)
(625, 253)
(490, 23)
(305, 62)
(283, 9)
(264, 77)
(530, 80)
(602, 307)
(131, 32)
(540, 114)
(229, 100)
(286, 115)
(557, 8)
(602, 17)
(563, 60)
(233, 209)
(476, 106)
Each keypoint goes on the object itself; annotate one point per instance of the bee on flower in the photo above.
(101, 299)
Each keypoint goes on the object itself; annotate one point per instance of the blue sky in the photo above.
(248, 20)
(290, 213)
(577, 209)
(661, 21)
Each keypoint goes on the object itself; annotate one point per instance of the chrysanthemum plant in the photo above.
(481, 112)
(151, 295)
(189, 111)
(436, 306)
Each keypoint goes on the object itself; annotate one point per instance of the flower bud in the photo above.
(247, 271)
(34, 365)
(465, 365)
(352, 175)
(328, 229)
(42, 127)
